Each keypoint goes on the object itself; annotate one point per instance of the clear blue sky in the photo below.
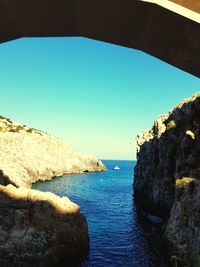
(95, 96)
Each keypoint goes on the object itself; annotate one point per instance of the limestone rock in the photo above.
(154, 153)
(182, 232)
(39, 229)
(168, 164)
(29, 155)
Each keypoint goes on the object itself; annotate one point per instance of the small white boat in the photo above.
(117, 168)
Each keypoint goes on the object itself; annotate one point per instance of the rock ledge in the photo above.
(39, 229)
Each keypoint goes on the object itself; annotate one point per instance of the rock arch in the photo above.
(162, 28)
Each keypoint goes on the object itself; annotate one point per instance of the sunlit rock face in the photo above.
(193, 5)
(29, 155)
(39, 229)
(167, 175)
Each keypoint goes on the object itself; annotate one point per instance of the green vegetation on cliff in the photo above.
(167, 177)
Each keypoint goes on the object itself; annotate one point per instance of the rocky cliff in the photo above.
(167, 176)
(40, 229)
(29, 155)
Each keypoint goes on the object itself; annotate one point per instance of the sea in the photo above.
(121, 233)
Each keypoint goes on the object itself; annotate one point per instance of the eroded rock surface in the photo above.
(29, 155)
(182, 232)
(39, 229)
(167, 176)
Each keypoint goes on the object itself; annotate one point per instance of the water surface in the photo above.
(120, 233)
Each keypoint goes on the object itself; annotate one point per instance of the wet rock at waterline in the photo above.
(167, 177)
(39, 229)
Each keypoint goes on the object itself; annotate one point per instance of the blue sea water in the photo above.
(120, 233)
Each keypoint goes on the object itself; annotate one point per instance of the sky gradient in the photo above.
(95, 96)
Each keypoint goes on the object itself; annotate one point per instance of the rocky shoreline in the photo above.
(167, 177)
(29, 155)
(39, 229)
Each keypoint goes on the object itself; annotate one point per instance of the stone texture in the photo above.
(182, 232)
(167, 176)
(193, 5)
(29, 155)
(154, 169)
(39, 229)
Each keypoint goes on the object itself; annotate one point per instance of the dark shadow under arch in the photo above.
(142, 25)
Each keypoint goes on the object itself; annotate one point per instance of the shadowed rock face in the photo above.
(39, 229)
(182, 232)
(167, 175)
(29, 155)
(154, 172)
